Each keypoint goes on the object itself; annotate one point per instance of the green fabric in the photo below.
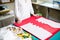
(56, 36)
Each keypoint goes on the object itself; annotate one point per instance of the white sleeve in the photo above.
(31, 8)
(17, 8)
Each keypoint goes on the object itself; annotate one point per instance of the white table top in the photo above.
(49, 5)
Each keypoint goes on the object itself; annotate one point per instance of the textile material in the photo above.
(39, 28)
(56, 36)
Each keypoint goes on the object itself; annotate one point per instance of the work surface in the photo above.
(40, 27)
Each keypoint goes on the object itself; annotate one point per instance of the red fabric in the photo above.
(26, 21)
(44, 26)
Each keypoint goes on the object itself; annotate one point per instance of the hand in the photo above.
(35, 15)
(17, 20)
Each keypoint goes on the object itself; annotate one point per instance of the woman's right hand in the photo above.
(17, 20)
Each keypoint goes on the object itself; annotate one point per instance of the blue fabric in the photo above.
(34, 38)
(56, 36)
